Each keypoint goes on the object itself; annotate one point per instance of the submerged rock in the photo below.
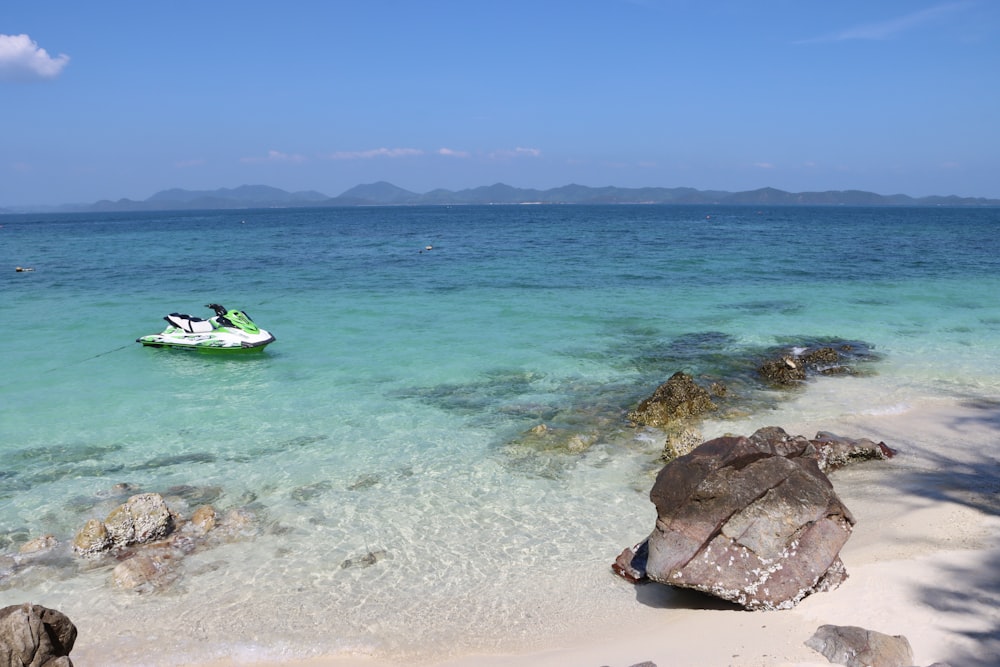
(367, 560)
(35, 636)
(147, 571)
(792, 365)
(783, 371)
(203, 519)
(677, 398)
(143, 538)
(752, 520)
(38, 545)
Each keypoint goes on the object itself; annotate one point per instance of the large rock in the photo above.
(856, 647)
(35, 636)
(751, 519)
(676, 399)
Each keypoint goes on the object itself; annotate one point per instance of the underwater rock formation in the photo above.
(677, 398)
(793, 365)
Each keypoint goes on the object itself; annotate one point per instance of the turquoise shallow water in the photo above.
(390, 414)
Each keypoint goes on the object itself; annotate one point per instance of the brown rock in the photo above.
(856, 647)
(631, 563)
(35, 636)
(750, 520)
(203, 519)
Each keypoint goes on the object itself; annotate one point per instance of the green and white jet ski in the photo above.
(227, 331)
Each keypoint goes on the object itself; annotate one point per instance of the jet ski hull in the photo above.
(206, 342)
(228, 332)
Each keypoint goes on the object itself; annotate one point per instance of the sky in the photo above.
(122, 99)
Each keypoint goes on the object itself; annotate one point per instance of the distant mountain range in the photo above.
(387, 194)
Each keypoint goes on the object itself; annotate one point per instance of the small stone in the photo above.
(367, 560)
(204, 518)
(39, 544)
(138, 572)
(237, 522)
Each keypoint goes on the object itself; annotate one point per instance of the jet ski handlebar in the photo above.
(219, 310)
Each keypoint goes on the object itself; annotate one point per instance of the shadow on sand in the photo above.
(974, 483)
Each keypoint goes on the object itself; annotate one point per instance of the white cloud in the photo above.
(891, 28)
(517, 152)
(275, 156)
(452, 153)
(375, 152)
(21, 59)
(763, 165)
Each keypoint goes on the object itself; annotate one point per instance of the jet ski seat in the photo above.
(188, 323)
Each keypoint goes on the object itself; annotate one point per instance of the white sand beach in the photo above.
(923, 562)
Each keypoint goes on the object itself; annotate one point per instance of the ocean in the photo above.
(385, 450)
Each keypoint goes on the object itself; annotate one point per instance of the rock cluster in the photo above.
(35, 636)
(792, 366)
(753, 520)
(149, 539)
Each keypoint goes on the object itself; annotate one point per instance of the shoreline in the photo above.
(921, 561)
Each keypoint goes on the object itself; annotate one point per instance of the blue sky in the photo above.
(117, 99)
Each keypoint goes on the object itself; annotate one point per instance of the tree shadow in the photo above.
(979, 599)
(974, 483)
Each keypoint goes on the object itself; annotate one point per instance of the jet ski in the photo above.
(227, 331)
